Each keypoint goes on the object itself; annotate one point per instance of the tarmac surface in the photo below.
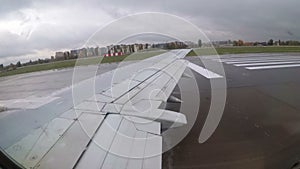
(260, 127)
(45, 82)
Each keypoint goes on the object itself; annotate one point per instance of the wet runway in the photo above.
(44, 83)
(260, 127)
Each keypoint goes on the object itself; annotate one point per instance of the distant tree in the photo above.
(1, 67)
(199, 43)
(271, 42)
(40, 61)
(293, 43)
(239, 43)
(235, 43)
(171, 45)
(67, 55)
(11, 66)
(18, 64)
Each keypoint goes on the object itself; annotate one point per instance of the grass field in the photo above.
(240, 50)
(80, 62)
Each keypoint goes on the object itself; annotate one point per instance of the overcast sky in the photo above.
(31, 28)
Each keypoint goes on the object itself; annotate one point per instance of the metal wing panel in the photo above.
(119, 152)
(153, 152)
(68, 149)
(160, 85)
(29, 150)
(119, 143)
(138, 150)
(96, 152)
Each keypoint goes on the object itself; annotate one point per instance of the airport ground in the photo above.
(260, 126)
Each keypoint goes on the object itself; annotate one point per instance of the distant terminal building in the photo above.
(103, 51)
(74, 53)
(59, 55)
(82, 53)
(112, 50)
(125, 49)
(97, 49)
(191, 44)
(90, 52)
(227, 43)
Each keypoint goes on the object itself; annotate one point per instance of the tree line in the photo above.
(270, 42)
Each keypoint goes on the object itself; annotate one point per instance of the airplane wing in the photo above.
(118, 127)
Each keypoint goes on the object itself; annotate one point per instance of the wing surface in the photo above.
(118, 125)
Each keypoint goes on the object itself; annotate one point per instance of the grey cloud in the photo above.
(13, 45)
(74, 20)
(248, 19)
(8, 6)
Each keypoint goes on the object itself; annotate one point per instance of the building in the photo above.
(59, 55)
(225, 43)
(199, 43)
(103, 51)
(112, 50)
(82, 53)
(90, 52)
(74, 53)
(66, 55)
(191, 44)
(96, 50)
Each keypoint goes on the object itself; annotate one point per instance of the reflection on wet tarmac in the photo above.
(260, 127)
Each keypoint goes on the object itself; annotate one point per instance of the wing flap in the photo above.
(153, 152)
(72, 144)
(121, 142)
(119, 152)
(138, 150)
(96, 152)
(159, 115)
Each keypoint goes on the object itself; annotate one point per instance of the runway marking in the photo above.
(257, 61)
(254, 59)
(272, 67)
(265, 63)
(204, 72)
